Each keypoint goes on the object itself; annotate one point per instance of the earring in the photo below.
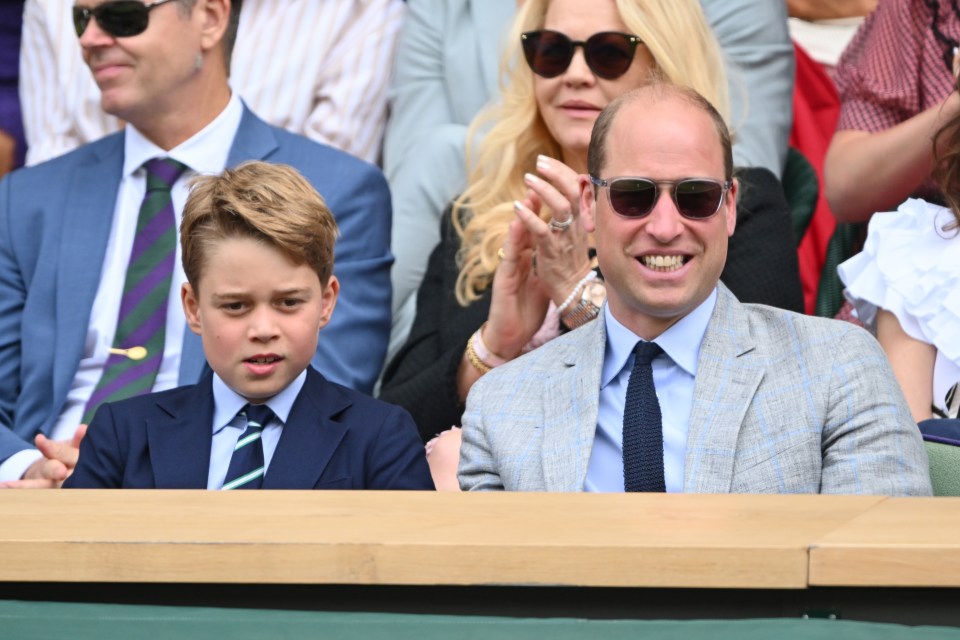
(198, 62)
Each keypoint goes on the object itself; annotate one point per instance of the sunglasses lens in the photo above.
(547, 52)
(698, 198)
(632, 197)
(124, 18)
(81, 18)
(609, 55)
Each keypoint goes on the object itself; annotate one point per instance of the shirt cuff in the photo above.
(16, 465)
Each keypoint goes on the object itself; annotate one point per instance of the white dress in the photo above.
(910, 266)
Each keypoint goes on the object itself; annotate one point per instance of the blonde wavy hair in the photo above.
(686, 53)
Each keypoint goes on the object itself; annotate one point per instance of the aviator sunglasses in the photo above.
(696, 198)
(608, 54)
(120, 18)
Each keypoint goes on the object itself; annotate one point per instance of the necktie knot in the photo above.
(646, 352)
(163, 172)
(257, 415)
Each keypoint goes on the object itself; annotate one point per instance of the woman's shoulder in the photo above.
(910, 266)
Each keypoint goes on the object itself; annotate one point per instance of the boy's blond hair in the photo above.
(271, 203)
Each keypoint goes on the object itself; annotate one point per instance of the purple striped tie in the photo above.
(142, 321)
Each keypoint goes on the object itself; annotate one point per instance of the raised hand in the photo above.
(560, 243)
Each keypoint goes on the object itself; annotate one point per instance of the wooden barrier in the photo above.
(571, 555)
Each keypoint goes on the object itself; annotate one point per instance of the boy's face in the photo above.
(258, 314)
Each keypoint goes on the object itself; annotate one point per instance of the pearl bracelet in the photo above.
(584, 280)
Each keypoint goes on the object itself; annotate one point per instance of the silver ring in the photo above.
(556, 225)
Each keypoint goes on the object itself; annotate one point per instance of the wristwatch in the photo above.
(591, 299)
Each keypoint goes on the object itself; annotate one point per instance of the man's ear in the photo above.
(329, 300)
(215, 19)
(588, 204)
(191, 307)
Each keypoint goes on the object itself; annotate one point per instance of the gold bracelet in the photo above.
(474, 359)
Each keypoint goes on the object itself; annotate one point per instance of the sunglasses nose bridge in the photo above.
(664, 221)
(91, 31)
(578, 65)
(661, 191)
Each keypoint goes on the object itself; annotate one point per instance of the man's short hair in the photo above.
(597, 152)
(230, 35)
(271, 203)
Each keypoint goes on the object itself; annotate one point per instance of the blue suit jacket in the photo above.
(334, 438)
(54, 225)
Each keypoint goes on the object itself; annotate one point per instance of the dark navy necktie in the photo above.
(246, 465)
(643, 425)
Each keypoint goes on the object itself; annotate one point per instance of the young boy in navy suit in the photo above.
(257, 244)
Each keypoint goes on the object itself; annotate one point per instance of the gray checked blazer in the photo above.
(783, 403)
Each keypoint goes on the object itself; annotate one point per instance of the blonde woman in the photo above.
(514, 267)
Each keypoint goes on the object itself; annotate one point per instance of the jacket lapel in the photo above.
(724, 389)
(310, 437)
(570, 408)
(255, 140)
(180, 444)
(93, 185)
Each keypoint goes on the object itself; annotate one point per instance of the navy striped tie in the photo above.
(246, 465)
(643, 425)
(142, 321)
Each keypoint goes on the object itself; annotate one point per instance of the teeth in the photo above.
(663, 263)
(262, 360)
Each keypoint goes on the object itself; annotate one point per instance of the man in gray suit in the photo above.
(752, 399)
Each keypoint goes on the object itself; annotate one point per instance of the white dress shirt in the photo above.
(316, 67)
(674, 375)
(228, 426)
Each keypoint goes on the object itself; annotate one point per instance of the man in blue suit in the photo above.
(67, 227)
(257, 245)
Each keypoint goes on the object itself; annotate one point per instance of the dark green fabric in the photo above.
(944, 468)
(844, 243)
(802, 189)
(56, 621)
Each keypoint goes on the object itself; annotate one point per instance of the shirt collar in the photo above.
(681, 342)
(227, 402)
(204, 152)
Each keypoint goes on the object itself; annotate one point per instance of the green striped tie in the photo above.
(246, 465)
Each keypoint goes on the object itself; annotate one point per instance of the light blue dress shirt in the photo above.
(227, 425)
(673, 377)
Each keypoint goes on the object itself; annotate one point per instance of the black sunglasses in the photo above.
(608, 54)
(695, 198)
(120, 18)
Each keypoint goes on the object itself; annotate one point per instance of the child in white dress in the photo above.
(906, 286)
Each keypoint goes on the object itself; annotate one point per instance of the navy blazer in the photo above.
(55, 222)
(334, 438)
